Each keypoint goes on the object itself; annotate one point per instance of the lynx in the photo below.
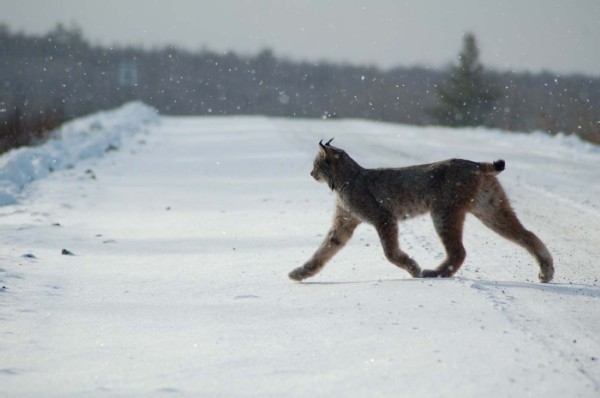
(448, 190)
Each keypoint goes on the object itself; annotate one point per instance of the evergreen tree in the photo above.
(468, 96)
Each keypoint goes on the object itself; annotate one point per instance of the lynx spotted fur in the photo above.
(448, 190)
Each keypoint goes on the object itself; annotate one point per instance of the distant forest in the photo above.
(45, 80)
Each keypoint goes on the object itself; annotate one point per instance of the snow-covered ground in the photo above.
(184, 232)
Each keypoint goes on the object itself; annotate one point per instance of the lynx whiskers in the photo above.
(448, 190)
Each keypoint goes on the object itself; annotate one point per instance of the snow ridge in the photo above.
(83, 138)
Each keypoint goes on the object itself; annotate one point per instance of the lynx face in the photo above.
(322, 170)
(324, 167)
(319, 165)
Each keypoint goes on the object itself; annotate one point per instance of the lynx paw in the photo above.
(436, 273)
(430, 273)
(546, 275)
(298, 274)
(416, 272)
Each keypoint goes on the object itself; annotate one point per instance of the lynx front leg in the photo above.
(343, 226)
(388, 234)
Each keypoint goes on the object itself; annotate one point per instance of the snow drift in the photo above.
(79, 139)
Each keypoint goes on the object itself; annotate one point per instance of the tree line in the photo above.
(47, 79)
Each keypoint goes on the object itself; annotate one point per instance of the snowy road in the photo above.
(183, 239)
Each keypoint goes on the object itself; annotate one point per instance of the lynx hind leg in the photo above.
(449, 226)
(494, 210)
(341, 231)
(388, 235)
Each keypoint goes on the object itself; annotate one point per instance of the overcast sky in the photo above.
(558, 36)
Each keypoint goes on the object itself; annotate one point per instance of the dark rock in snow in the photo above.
(91, 174)
(66, 252)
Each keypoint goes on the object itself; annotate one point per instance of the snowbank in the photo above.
(86, 137)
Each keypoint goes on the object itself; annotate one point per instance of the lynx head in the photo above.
(328, 164)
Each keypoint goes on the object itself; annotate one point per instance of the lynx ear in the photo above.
(324, 146)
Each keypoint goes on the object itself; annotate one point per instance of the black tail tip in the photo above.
(499, 165)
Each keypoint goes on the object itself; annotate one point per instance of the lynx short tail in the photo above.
(493, 168)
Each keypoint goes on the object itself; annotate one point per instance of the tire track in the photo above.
(550, 322)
